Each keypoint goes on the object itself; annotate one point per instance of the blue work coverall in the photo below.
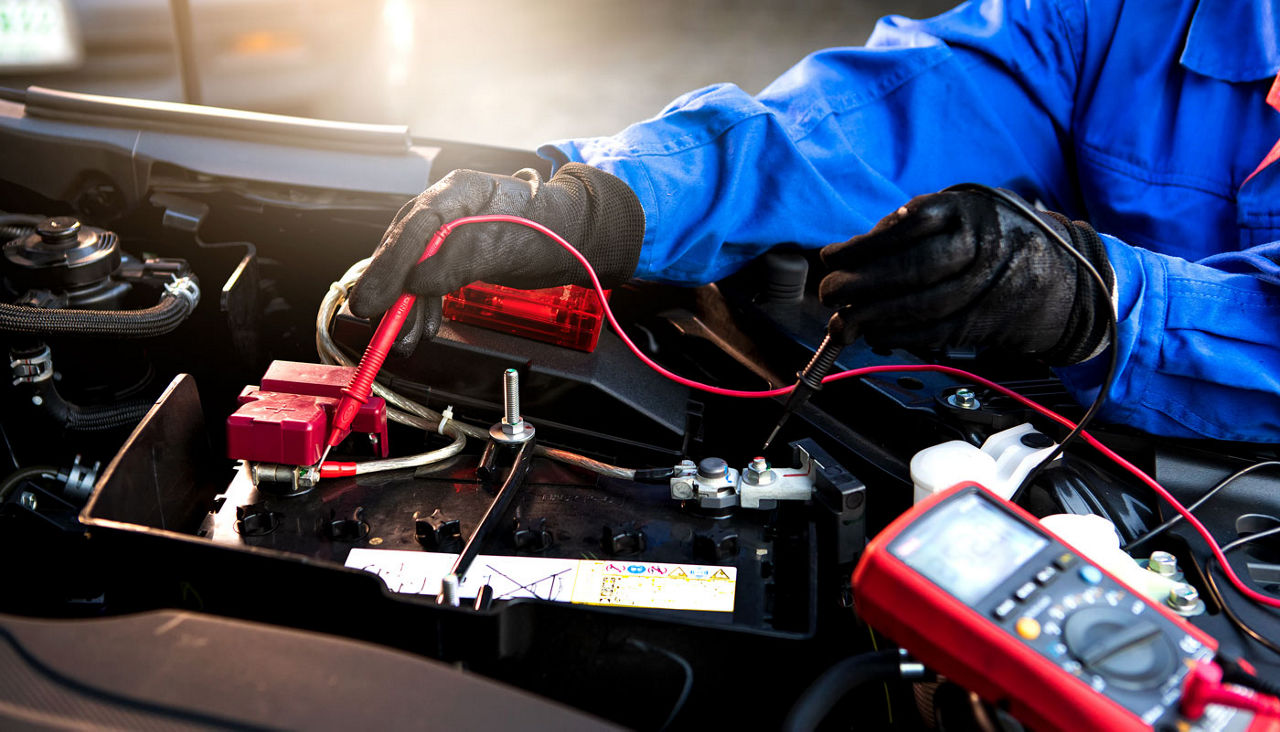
(1147, 119)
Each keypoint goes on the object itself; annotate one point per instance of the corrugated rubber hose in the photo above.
(157, 320)
(88, 418)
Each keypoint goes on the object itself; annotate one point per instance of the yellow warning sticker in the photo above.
(655, 585)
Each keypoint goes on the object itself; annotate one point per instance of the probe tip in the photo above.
(769, 441)
(323, 455)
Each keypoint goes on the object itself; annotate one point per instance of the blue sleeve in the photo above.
(1198, 352)
(982, 93)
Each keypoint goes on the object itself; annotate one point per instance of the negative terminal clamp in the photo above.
(715, 485)
(838, 497)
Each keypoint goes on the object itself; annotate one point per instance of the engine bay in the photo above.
(172, 304)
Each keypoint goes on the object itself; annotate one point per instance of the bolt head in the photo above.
(727, 500)
(682, 490)
(27, 500)
(964, 398)
(308, 476)
(758, 472)
(37, 400)
(1183, 595)
(1163, 564)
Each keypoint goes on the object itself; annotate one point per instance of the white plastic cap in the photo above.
(1000, 466)
(1096, 538)
(935, 469)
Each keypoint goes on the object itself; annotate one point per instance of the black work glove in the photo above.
(961, 268)
(595, 211)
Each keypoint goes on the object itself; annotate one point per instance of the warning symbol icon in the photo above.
(678, 573)
(720, 575)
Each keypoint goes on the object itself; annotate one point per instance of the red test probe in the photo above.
(358, 390)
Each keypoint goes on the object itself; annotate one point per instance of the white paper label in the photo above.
(588, 582)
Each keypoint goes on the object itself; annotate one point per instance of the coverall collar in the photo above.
(1233, 40)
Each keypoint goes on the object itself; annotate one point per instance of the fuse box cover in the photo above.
(287, 419)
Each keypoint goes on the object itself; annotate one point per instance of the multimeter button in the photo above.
(1025, 591)
(1132, 653)
(1046, 574)
(1028, 628)
(1003, 609)
(1064, 560)
(1090, 574)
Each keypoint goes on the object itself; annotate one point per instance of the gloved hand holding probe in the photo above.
(595, 211)
(962, 268)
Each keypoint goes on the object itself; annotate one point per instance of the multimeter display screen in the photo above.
(967, 547)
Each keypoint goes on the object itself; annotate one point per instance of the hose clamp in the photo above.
(32, 370)
(186, 288)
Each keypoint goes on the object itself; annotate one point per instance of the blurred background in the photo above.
(503, 72)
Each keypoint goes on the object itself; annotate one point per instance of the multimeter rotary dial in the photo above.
(1129, 651)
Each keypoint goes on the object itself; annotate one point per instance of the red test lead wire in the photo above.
(1204, 686)
(357, 391)
(769, 393)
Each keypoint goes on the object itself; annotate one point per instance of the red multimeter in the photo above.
(976, 589)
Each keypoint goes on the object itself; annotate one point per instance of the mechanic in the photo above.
(1152, 121)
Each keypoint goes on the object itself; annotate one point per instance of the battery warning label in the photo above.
(587, 582)
(665, 586)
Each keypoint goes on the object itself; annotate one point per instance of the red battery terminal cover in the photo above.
(568, 316)
(287, 419)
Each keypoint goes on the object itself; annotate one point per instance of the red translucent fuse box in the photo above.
(287, 419)
(568, 316)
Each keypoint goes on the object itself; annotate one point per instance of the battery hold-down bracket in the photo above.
(286, 419)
